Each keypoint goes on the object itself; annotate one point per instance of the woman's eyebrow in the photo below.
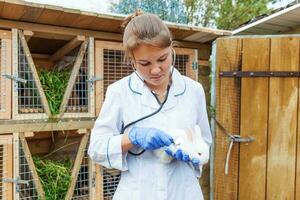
(158, 58)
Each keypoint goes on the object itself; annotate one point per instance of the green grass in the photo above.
(54, 84)
(55, 176)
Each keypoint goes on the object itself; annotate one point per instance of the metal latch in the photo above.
(17, 181)
(232, 139)
(15, 78)
(195, 65)
(94, 180)
(94, 79)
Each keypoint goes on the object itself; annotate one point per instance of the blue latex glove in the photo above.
(195, 161)
(178, 154)
(149, 138)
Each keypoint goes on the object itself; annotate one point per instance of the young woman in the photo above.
(136, 110)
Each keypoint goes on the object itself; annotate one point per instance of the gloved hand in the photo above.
(149, 138)
(177, 153)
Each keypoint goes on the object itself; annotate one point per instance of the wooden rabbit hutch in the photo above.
(37, 39)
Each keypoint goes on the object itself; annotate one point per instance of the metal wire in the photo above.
(114, 66)
(79, 99)
(181, 62)
(81, 191)
(26, 192)
(29, 100)
(111, 178)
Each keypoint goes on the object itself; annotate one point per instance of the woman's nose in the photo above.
(155, 69)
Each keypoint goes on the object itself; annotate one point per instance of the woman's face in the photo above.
(153, 64)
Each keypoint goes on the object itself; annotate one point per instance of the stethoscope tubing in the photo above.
(155, 112)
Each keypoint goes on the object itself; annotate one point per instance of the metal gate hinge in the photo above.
(195, 65)
(15, 78)
(94, 79)
(240, 74)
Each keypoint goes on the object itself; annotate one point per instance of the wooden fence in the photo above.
(263, 106)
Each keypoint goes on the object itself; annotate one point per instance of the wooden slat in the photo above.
(40, 125)
(16, 160)
(34, 73)
(283, 102)
(67, 18)
(31, 165)
(31, 14)
(28, 34)
(297, 183)
(49, 16)
(6, 50)
(7, 166)
(99, 182)
(12, 11)
(59, 30)
(76, 166)
(73, 76)
(83, 21)
(227, 110)
(91, 65)
(59, 54)
(92, 178)
(254, 120)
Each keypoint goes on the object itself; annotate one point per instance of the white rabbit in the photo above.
(190, 141)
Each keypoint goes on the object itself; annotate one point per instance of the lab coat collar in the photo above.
(178, 87)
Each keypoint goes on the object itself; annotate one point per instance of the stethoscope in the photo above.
(153, 93)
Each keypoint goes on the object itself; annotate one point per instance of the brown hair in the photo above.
(144, 28)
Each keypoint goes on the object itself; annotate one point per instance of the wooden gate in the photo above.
(258, 97)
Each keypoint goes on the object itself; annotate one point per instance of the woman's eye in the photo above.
(162, 60)
(144, 64)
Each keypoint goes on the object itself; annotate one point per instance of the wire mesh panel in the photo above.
(115, 67)
(29, 99)
(181, 62)
(26, 190)
(82, 191)
(5, 72)
(79, 98)
(111, 178)
(6, 189)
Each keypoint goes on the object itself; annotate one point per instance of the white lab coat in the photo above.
(144, 177)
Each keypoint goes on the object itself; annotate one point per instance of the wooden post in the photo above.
(227, 112)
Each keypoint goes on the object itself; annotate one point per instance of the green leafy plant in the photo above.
(55, 176)
(54, 84)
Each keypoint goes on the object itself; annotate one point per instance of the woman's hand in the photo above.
(179, 154)
(149, 138)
